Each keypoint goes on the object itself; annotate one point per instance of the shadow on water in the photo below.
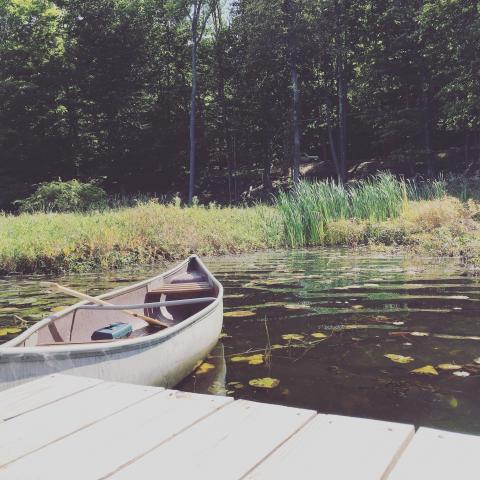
(318, 324)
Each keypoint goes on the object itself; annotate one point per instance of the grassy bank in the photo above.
(382, 211)
(115, 238)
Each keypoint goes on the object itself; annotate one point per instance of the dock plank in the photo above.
(113, 442)
(224, 446)
(337, 448)
(35, 429)
(439, 455)
(29, 396)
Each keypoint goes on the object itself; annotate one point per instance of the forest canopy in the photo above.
(101, 90)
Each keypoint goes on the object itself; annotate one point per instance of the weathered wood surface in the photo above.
(441, 456)
(69, 427)
(38, 393)
(109, 444)
(183, 288)
(37, 428)
(339, 448)
(224, 446)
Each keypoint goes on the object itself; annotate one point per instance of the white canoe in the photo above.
(188, 298)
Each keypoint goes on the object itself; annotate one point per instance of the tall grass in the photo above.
(309, 208)
(382, 209)
(55, 242)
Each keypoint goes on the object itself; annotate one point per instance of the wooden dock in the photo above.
(64, 427)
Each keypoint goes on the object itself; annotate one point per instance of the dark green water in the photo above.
(366, 306)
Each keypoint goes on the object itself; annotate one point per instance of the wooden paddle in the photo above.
(55, 287)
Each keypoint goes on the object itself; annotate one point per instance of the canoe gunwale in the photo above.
(11, 350)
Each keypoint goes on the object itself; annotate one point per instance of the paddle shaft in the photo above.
(98, 301)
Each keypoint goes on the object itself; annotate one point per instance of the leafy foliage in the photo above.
(100, 88)
(58, 196)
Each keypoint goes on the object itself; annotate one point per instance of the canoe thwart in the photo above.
(183, 288)
(134, 306)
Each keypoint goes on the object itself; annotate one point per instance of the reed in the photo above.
(310, 207)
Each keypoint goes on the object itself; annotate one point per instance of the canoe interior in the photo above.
(77, 326)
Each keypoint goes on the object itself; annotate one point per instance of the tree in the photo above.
(200, 11)
(290, 12)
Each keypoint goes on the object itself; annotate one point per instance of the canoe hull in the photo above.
(162, 359)
(164, 364)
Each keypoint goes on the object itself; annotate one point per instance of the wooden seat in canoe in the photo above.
(194, 287)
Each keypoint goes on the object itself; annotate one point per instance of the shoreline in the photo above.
(57, 243)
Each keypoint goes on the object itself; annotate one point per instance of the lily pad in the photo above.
(266, 382)
(357, 307)
(449, 366)
(8, 309)
(293, 336)
(235, 384)
(296, 306)
(251, 360)
(398, 358)
(426, 370)
(204, 368)
(9, 331)
(461, 374)
(419, 334)
(239, 313)
(319, 335)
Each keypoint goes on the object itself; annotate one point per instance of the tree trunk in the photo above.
(342, 121)
(234, 164)
(191, 183)
(342, 88)
(225, 140)
(289, 12)
(428, 128)
(296, 127)
(331, 143)
(467, 148)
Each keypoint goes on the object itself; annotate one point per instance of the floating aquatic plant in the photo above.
(266, 382)
(449, 366)
(251, 360)
(293, 336)
(398, 358)
(426, 370)
(9, 331)
(239, 313)
(204, 368)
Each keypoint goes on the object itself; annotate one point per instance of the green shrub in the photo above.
(59, 196)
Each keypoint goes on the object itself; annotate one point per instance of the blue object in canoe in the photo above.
(113, 331)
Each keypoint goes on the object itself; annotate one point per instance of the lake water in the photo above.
(329, 330)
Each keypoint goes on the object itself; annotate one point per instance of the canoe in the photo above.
(188, 299)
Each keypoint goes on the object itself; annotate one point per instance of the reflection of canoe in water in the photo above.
(187, 298)
(212, 381)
